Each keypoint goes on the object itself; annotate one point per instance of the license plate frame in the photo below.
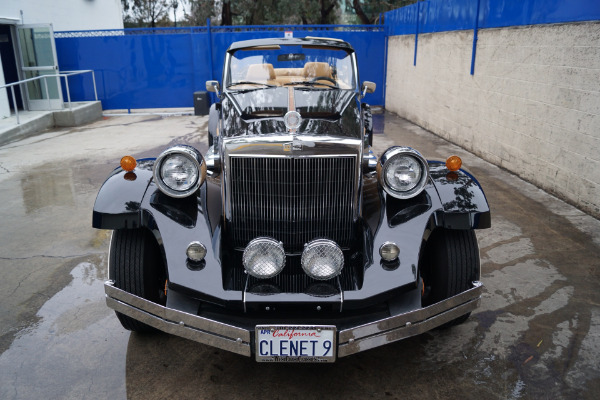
(296, 343)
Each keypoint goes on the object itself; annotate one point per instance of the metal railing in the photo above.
(64, 74)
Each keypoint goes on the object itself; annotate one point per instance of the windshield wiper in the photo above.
(309, 83)
(250, 83)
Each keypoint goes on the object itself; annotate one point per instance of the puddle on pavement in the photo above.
(44, 187)
(75, 349)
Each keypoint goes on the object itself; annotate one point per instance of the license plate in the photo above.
(279, 343)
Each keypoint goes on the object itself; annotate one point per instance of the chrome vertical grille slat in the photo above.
(294, 200)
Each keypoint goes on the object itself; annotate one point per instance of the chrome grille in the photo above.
(293, 200)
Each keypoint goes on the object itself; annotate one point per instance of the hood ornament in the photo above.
(292, 120)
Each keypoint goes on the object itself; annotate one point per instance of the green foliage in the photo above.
(150, 13)
(368, 11)
(146, 13)
(200, 10)
(274, 12)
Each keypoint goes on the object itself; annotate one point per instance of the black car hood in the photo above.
(261, 111)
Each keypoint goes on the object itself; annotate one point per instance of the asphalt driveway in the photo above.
(535, 335)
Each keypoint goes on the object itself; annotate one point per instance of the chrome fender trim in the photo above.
(409, 324)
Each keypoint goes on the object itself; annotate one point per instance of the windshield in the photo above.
(305, 66)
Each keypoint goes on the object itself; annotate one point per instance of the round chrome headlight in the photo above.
(322, 259)
(179, 171)
(403, 172)
(264, 257)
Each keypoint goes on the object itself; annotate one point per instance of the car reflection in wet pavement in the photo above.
(535, 335)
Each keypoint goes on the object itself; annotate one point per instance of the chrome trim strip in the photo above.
(212, 160)
(341, 295)
(312, 143)
(193, 327)
(409, 324)
(109, 253)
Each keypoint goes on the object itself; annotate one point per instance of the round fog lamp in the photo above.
(264, 257)
(196, 251)
(389, 251)
(322, 259)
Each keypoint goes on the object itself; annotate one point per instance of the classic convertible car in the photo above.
(289, 240)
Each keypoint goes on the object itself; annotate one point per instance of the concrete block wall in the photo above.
(532, 106)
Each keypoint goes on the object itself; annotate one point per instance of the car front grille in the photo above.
(293, 200)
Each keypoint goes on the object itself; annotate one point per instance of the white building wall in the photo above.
(65, 15)
(532, 106)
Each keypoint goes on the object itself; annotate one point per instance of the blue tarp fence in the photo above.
(453, 15)
(161, 68)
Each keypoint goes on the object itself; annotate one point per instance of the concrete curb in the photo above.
(34, 124)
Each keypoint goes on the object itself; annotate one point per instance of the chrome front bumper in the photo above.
(238, 340)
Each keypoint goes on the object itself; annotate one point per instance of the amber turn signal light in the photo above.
(128, 163)
(453, 163)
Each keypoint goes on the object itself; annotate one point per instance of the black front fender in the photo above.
(464, 205)
(118, 204)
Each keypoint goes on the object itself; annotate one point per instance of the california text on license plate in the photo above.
(303, 343)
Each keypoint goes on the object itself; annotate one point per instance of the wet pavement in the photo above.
(535, 335)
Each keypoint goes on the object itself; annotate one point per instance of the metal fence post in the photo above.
(47, 93)
(210, 55)
(475, 29)
(417, 31)
(210, 51)
(12, 92)
(94, 80)
(68, 93)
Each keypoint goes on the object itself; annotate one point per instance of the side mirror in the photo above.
(368, 87)
(213, 86)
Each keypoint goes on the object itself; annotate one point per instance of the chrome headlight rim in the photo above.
(191, 154)
(402, 151)
(262, 241)
(310, 247)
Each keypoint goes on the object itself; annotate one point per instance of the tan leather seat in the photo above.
(263, 73)
(314, 69)
(289, 75)
(289, 72)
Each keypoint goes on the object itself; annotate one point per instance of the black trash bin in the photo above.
(201, 103)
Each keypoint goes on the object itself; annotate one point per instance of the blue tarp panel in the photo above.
(453, 15)
(160, 68)
(501, 13)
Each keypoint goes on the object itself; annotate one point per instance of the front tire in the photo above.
(136, 266)
(451, 264)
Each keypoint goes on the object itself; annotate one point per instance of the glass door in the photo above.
(38, 58)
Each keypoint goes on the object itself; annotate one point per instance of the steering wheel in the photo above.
(325, 78)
